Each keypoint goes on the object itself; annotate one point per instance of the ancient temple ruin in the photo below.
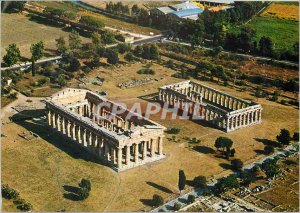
(122, 143)
(225, 111)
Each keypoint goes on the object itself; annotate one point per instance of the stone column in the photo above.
(127, 158)
(69, 128)
(74, 131)
(136, 153)
(49, 117)
(144, 155)
(58, 123)
(119, 157)
(106, 151)
(83, 137)
(78, 135)
(160, 146)
(53, 120)
(152, 148)
(63, 125)
(113, 155)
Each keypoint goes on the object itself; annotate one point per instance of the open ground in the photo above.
(43, 170)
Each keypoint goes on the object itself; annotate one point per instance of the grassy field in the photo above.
(282, 11)
(41, 169)
(111, 22)
(284, 33)
(25, 32)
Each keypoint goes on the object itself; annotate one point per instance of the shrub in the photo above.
(157, 200)
(146, 71)
(85, 183)
(177, 206)
(22, 205)
(199, 182)
(86, 69)
(129, 56)
(191, 199)
(237, 164)
(269, 150)
(296, 136)
(8, 192)
(83, 193)
(173, 130)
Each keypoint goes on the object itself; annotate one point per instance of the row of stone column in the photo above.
(243, 119)
(117, 156)
(219, 98)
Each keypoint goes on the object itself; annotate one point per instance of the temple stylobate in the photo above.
(225, 111)
(88, 119)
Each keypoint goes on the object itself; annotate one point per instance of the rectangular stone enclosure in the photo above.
(88, 119)
(223, 110)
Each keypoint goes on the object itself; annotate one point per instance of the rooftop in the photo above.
(188, 12)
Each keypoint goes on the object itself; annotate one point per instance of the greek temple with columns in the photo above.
(223, 110)
(122, 143)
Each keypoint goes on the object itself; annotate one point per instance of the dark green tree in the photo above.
(237, 164)
(269, 149)
(265, 46)
(12, 56)
(129, 56)
(223, 142)
(61, 45)
(112, 56)
(157, 200)
(284, 137)
(83, 193)
(37, 52)
(200, 182)
(181, 180)
(226, 183)
(85, 183)
(74, 40)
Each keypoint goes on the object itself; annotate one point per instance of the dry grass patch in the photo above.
(282, 11)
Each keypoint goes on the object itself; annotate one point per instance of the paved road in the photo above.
(28, 64)
(198, 193)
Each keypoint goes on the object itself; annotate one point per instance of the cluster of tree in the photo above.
(147, 71)
(173, 130)
(117, 8)
(84, 189)
(226, 144)
(147, 51)
(12, 6)
(10, 193)
(208, 69)
(12, 56)
(284, 137)
(60, 13)
(91, 21)
(270, 168)
(227, 183)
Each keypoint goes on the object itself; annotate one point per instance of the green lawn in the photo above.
(284, 33)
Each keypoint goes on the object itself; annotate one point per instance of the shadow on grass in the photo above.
(204, 149)
(290, 162)
(225, 165)
(267, 142)
(60, 141)
(162, 188)
(259, 152)
(147, 202)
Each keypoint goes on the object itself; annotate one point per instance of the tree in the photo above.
(9, 193)
(284, 137)
(191, 199)
(271, 168)
(154, 53)
(129, 56)
(296, 136)
(37, 52)
(107, 37)
(13, 55)
(123, 47)
(268, 149)
(182, 180)
(247, 177)
(157, 200)
(112, 56)
(74, 64)
(138, 51)
(74, 40)
(13, 6)
(177, 206)
(265, 46)
(83, 193)
(223, 142)
(226, 183)
(96, 38)
(237, 164)
(22, 205)
(61, 80)
(232, 152)
(85, 183)
(61, 45)
(199, 182)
